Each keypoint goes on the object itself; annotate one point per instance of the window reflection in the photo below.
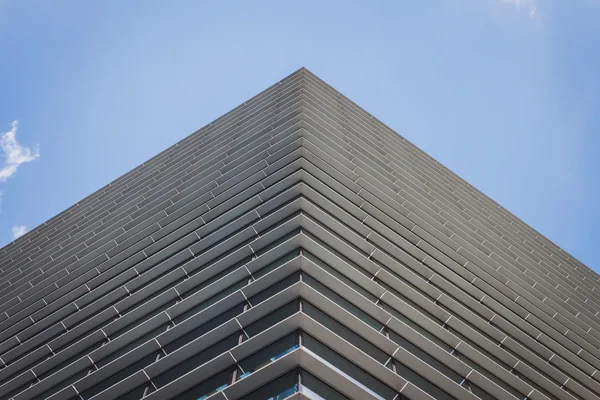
(210, 386)
(223, 386)
(286, 393)
(269, 354)
(295, 381)
(269, 361)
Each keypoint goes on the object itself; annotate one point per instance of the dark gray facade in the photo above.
(294, 248)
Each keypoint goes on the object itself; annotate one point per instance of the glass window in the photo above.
(209, 386)
(278, 389)
(269, 354)
(316, 389)
(297, 380)
(347, 368)
(196, 360)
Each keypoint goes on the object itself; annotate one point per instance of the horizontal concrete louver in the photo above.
(295, 247)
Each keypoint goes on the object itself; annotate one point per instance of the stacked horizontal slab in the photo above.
(294, 248)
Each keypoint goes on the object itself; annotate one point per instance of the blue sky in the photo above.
(506, 93)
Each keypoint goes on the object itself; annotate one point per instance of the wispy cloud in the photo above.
(529, 5)
(19, 231)
(13, 153)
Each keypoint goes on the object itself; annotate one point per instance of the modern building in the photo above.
(294, 248)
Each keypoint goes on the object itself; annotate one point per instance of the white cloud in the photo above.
(14, 153)
(526, 4)
(18, 231)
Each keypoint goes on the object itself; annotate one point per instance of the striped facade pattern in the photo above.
(294, 248)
